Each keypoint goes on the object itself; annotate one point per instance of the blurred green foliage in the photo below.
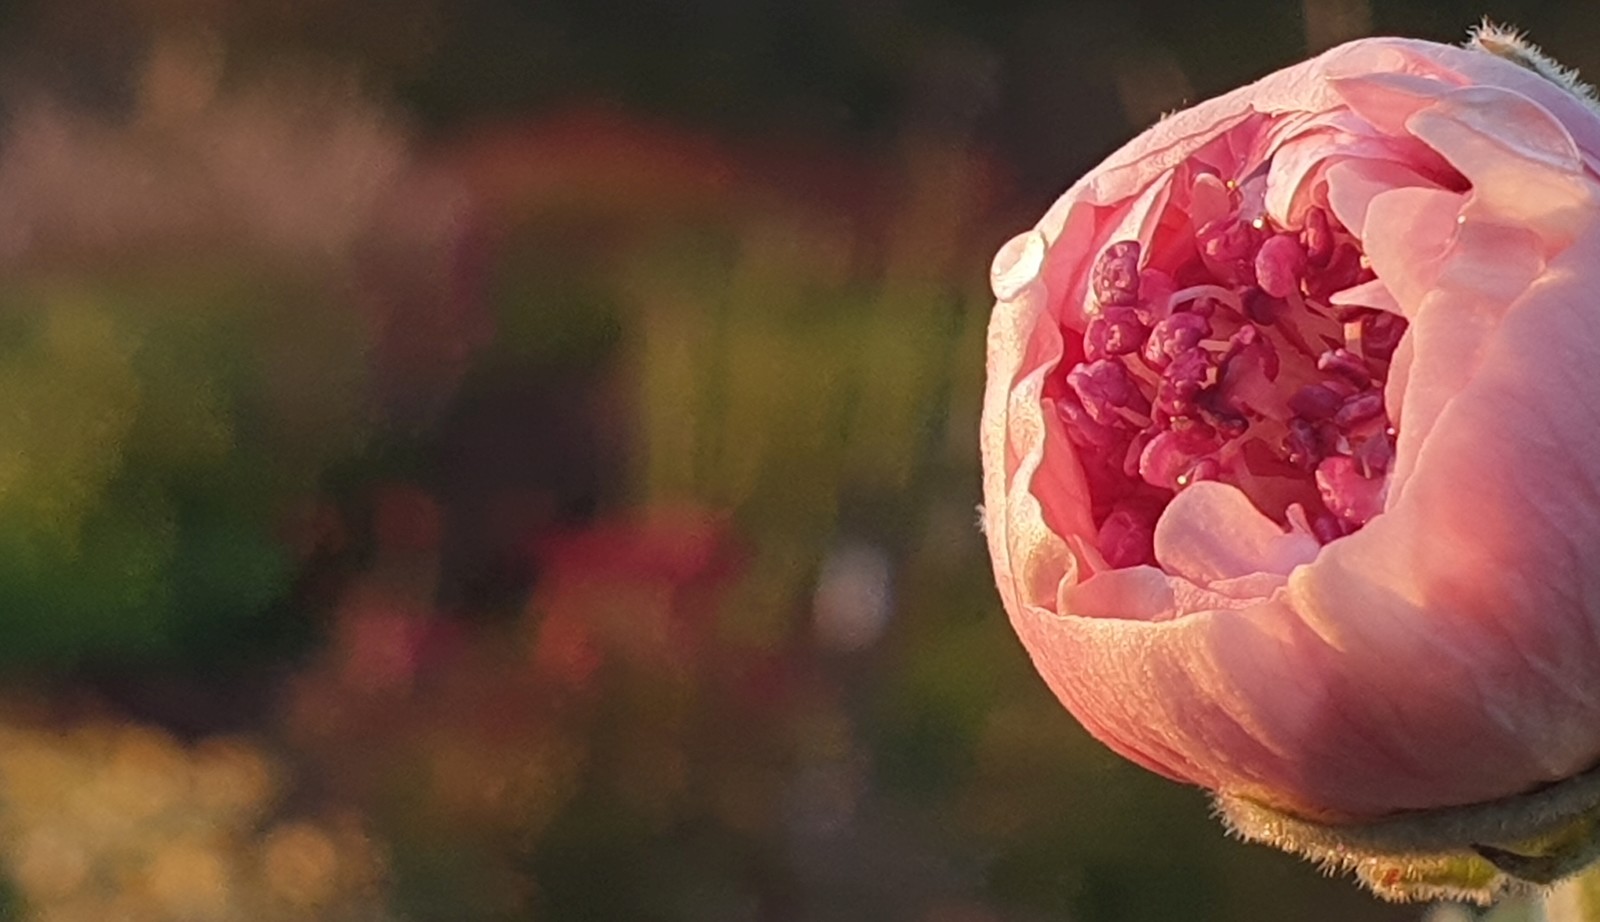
(150, 456)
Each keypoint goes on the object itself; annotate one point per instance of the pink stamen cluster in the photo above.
(1230, 364)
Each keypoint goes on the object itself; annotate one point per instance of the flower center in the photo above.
(1230, 363)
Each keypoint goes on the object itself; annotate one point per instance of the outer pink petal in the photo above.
(1482, 573)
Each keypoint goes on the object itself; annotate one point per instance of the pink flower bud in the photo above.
(1369, 595)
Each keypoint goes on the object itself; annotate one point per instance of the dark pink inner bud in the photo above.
(1175, 452)
(1116, 275)
(1280, 264)
(1374, 455)
(1314, 401)
(1380, 334)
(1155, 289)
(1184, 378)
(1346, 365)
(1127, 539)
(1342, 271)
(1084, 431)
(1347, 494)
(1174, 336)
(1261, 308)
(1228, 248)
(1317, 237)
(1102, 387)
(1203, 469)
(1250, 344)
(1358, 409)
(1226, 364)
(1116, 331)
(1231, 425)
(1328, 527)
(1301, 446)
(1196, 437)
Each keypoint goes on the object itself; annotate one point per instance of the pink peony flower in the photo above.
(1291, 464)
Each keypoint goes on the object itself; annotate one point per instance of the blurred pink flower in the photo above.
(645, 591)
(1290, 459)
(387, 628)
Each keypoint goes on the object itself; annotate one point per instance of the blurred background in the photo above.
(515, 459)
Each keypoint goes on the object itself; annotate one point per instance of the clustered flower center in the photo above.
(1231, 364)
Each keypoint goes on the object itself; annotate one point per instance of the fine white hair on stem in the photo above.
(1513, 45)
